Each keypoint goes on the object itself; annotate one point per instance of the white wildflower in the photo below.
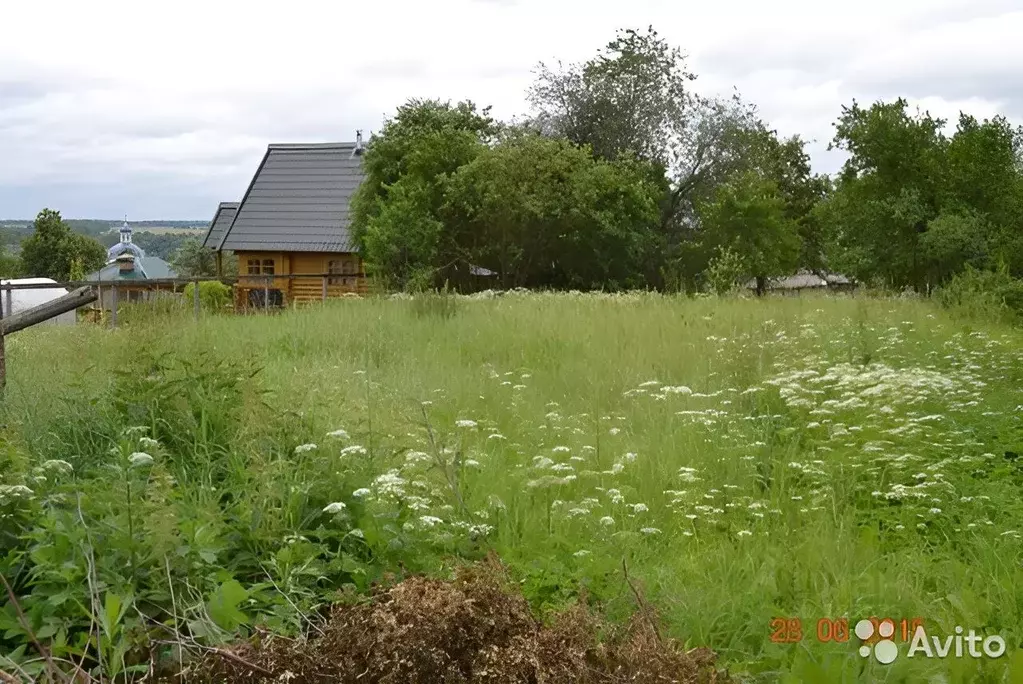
(414, 457)
(390, 483)
(607, 521)
(334, 508)
(465, 423)
(303, 448)
(58, 466)
(140, 459)
(338, 434)
(430, 520)
(743, 533)
(9, 492)
(148, 442)
(639, 508)
(354, 449)
(650, 530)
(361, 492)
(581, 553)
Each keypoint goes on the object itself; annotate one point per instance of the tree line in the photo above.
(625, 176)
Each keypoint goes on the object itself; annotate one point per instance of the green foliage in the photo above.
(913, 207)
(748, 217)
(50, 251)
(993, 295)
(542, 212)
(213, 295)
(10, 264)
(726, 271)
(193, 260)
(395, 212)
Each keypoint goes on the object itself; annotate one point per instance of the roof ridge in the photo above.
(310, 146)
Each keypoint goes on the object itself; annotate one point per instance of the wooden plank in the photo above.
(3, 353)
(196, 298)
(44, 312)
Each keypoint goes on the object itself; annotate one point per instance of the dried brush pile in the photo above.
(476, 628)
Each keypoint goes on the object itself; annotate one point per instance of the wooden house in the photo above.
(290, 230)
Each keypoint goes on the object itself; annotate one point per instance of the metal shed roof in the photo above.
(220, 223)
(298, 200)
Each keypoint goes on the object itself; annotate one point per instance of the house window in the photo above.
(268, 266)
(342, 267)
(253, 267)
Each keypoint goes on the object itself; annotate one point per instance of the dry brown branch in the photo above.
(643, 605)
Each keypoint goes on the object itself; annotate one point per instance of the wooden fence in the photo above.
(246, 283)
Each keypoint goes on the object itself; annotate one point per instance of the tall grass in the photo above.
(745, 459)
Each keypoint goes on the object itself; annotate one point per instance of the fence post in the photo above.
(324, 288)
(7, 296)
(3, 349)
(113, 306)
(196, 298)
(266, 294)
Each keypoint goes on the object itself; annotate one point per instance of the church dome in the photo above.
(125, 246)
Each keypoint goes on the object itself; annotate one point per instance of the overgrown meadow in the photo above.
(173, 482)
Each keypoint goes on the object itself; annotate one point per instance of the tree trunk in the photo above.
(761, 285)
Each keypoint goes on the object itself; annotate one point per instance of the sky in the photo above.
(161, 110)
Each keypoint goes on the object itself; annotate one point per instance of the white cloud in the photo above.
(163, 110)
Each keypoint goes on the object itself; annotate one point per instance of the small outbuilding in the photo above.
(22, 300)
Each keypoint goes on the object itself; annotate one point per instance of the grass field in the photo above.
(748, 460)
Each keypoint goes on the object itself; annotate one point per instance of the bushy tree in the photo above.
(395, 212)
(543, 212)
(52, 249)
(747, 216)
(192, 260)
(913, 207)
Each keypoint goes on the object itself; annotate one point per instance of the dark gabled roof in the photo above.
(298, 200)
(220, 223)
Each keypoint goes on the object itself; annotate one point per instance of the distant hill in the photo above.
(158, 238)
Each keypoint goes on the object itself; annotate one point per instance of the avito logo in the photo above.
(886, 651)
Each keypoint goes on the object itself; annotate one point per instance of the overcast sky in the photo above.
(109, 107)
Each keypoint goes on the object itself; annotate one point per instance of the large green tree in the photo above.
(53, 248)
(546, 213)
(747, 218)
(636, 98)
(395, 212)
(913, 206)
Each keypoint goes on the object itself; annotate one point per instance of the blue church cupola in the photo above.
(125, 246)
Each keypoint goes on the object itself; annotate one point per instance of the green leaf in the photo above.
(223, 605)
